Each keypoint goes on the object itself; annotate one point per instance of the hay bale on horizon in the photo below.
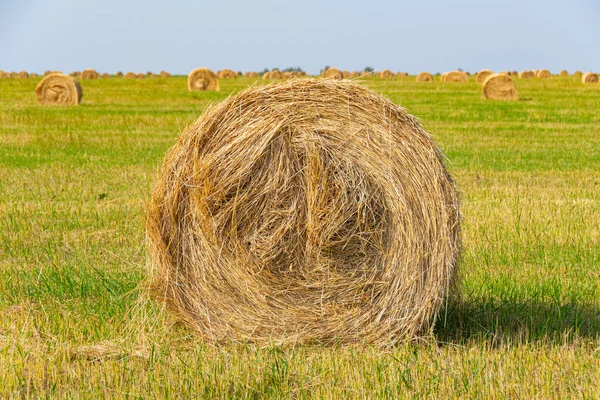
(58, 89)
(129, 75)
(564, 72)
(424, 77)
(286, 74)
(455, 76)
(251, 75)
(577, 73)
(589, 77)
(23, 75)
(275, 74)
(310, 210)
(33, 75)
(119, 73)
(499, 87)
(332, 73)
(346, 74)
(165, 74)
(526, 74)
(354, 74)
(140, 76)
(483, 74)
(543, 74)
(226, 74)
(401, 74)
(89, 73)
(105, 75)
(386, 74)
(202, 79)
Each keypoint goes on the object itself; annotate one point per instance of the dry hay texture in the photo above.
(483, 74)
(275, 74)
(119, 73)
(165, 74)
(251, 74)
(89, 74)
(346, 74)
(304, 211)
(589, 77)
(543, 74)
(401, 74)
(424, 77)
(130, 75)
(386, 74)
(332, 73)
(499, 87)
(526, 74)
(202, 79)
(455, 76)
(564, 72)
(23, 75)
(58, 89)
(226, 74)
(140, 76)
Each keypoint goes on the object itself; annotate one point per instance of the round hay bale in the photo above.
(564, 72)
(33, 75)
(589, 77)
(140, 76)
(5, 75)
(23, 75)
(239, 73)
(203, 79)
(526, 74)
(577, 73)
(543, 74)
(332, 73)
(266, 75)
(149, 74)
(105, 75)
(119, 73)
(226, 74)
(75, 74)
(401, 74)
(276, 74)
(251, 75)
(499, 87)
(46, 73)
(483, 74)
(346, 74)
(89, 74)
(454, 76)
(304, 211)
(286, 75)
(424, 77)
(354, 74)
(386, 74)
(130, 75)
(165, 74)
(58, 89)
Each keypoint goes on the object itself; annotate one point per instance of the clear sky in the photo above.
(412, 36)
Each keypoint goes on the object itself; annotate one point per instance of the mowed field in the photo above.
(75, 181)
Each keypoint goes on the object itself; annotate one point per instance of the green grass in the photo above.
(74, 183)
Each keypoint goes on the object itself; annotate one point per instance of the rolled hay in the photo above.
(526, 74)
(286, 75)
(5, 75)
(455, 76)
(119, 73)
(239, 73)
(266, 75)
(275, 74)
(424, 77)
(354, 74)
(366, 74)
(89, 74)
(130, 75)
(346, 74)
(75, 74)
(589, 77)
(251, 75)
(33, 75)
(203, 79)
(543, 74)
(165, 74)
(149, 74)
(386, 74)
(332, 73)
(305, 211)
(226, 74)
(401, 74)
(577, 73)
(105, 75)
(483, 74)
(564, 72)
(140, 76)
(23, 74)
(499, 87)
(58, 89)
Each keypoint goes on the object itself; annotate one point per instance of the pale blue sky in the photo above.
(413, 36)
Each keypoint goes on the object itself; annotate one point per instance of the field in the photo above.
(74, 183)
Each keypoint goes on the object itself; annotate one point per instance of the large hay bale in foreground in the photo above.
(203, 79)
(59, 89)
(455, 76)
(424, 77)
(483, 74)
(89, 74)
(332, 73)
(499, 87)
(226, 74)
(305, 211)
(543, 74)
(589, 77)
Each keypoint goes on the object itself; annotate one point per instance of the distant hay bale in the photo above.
(577, 73)
(275, 74)
(526, 74)
(499, 87)
(149, 74)
(302, 73)
(75, 74)
(564, 72)
(251, 75)
(589, 77)
(287, 75)
(119, 73)
(203, 79)
(33, 75)
(105, 75)
(424, 77)
(239, 73)
(165, 74)
(226, 74)
(332, 73)
(140, 76)
(543, 74)
(311, 210)
(386, 74)
(5, 75)
(454, 76)
(23, 75)
(266, 75)
(89, 74)
(354, 74)
(483, 74)
(346, 74)
(130, 75)
(401, 74)
(58, 89)
(366, 74)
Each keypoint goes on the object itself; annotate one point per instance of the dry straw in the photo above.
(401, 74)
(483, 74)
(119, 73)
(346, 74)
(526, 74)
(499, 87)
(305, 211)
(455, 76)
(424, 77)
(543, 74)
(58, 89)
(386, 74)
(589, 77)
(23, 75)
(251, 75)
(333, 73)
(226, 74)
(130, 75)
(140, 76)
(89, 74)
(275, 74)
(564, 72)
(165, 74)
(202, 79)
